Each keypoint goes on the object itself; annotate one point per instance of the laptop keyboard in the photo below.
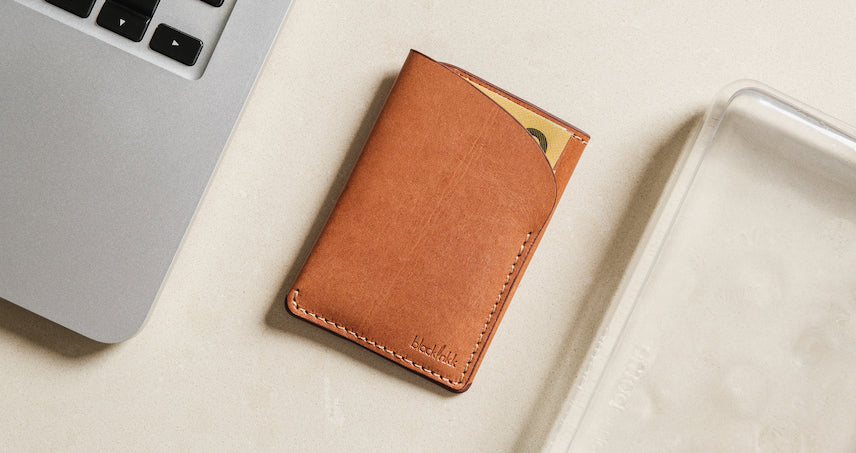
(178, 35)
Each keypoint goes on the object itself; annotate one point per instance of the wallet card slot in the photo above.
(550, 136)
(563, 160)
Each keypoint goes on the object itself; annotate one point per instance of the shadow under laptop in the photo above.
(583, 326)
(45, 333)
(278, 317)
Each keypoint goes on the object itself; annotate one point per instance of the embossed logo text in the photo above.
(439, 353)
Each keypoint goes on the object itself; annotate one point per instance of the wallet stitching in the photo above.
(366, 340)
(495, 305)
(405, 359)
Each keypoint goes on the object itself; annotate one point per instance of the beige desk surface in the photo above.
(222, 367)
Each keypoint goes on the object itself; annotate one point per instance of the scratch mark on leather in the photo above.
(405, 359)
(456, 176)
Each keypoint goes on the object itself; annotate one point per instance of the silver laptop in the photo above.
(113, 115)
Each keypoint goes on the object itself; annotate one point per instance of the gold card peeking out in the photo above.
(551, 137)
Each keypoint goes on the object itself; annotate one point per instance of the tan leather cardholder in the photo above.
(437, 223)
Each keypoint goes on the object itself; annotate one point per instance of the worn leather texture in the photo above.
(428, 240)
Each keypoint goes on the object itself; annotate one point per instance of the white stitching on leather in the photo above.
(364, 339)
(495, 304)
(405, 359)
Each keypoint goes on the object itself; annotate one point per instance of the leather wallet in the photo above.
(438, 221)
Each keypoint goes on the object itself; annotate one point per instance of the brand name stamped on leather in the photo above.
(436, 352)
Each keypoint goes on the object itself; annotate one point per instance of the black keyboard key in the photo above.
(214, 2)
(144, 7)
(81, 8)
(179, 46)
(123, 21)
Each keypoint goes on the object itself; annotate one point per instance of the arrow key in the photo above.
(123, 21)
(179, 46)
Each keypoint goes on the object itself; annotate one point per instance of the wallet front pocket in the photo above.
(437, 222)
